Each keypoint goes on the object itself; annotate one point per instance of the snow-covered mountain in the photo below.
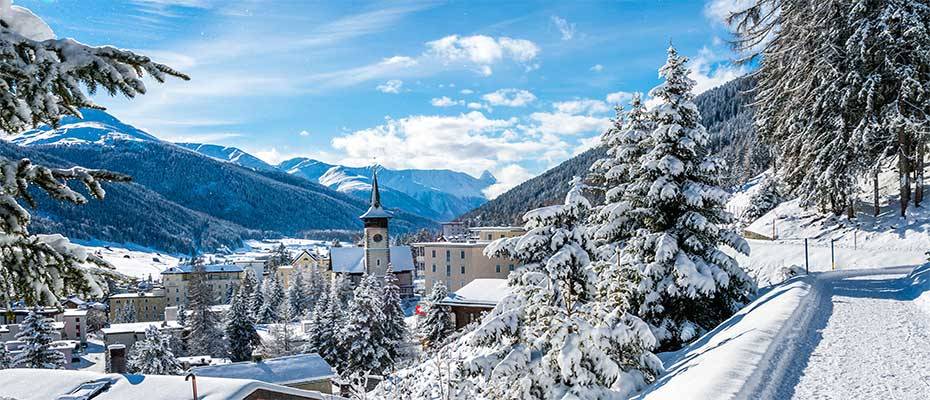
(96, 127)
(230, 154)
(446, 193)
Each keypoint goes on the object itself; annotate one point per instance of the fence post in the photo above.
(832, 259)
(775, 218)
(807, 264)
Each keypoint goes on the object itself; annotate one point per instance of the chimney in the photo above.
(117, 355)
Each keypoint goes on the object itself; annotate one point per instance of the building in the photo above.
(45, 384)
(458, 263)
(75, 325)
(147, 306)
(454, 231)
(304, 262)
(221, 278)
(258, 262)
(476, 298)
(376, 253)
(128, 334)
(16, 315)
(302, 371)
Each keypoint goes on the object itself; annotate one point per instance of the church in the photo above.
(376, 253)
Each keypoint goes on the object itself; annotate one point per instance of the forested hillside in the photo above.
(725, 112)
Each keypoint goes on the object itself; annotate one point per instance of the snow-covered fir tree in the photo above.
(46, 79)
(127, 314)
(317, 285)
(182, 315)
(437, 324)
(284, 334)
(6, 361)
(36, 332)
(684, 283)
(315, 328)
(240, 328)
(551, 338)
(764, 199)
(247, 287)
(153, 355)
(280, 256)
(273, 294)
(325, 335)
(394, 327)
(206, 333)
(626, 142)
(297, 297)
(365, 347)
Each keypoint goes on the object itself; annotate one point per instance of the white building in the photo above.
(220, 278)
(302, 371)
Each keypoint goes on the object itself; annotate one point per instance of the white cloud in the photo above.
(581, 106)
(392, 86)
(476, 143)
(619, 97)
(482, 51)
(507, 177)
(509, 97)
(720, 10)
(586, 144)
(709, 70)
(566, 29)
(466, 91)
(560, 123)
(475, 105)
(597, 68)
(304, 133)
(445, 101)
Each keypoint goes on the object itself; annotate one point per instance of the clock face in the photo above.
(377, 238)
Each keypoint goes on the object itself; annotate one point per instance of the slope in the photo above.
(229, 154)
(726, 114)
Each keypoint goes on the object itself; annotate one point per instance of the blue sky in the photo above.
(510, 87)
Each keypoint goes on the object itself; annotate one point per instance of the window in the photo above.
(434, 253)
(510, 267)
(378, 262)
(448, 270)
(463, 269)
(448, 255)
(434, 268)
(497, 268)
(489, 236)
(463, 254)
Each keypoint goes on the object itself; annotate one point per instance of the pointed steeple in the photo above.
(375, 194)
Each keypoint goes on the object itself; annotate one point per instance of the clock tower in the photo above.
(377, 249)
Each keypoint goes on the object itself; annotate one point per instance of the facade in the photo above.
(128, 334)
(376, 254)
(302, 371)
(469, 303)
(75, 325)
(458, 263)
(304, 262)
(221, 278)
(147, 306)
(454, 231)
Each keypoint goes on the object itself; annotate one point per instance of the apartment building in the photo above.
(221, 278)
(147, 306)
(458, 263)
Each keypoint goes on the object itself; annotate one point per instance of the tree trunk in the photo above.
(919, 172)
(904, 173)
(877, 209)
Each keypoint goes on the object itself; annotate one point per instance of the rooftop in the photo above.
(281, 370)
(133, 295)
(497, 228)
(138, 327)
(480, 293)
(186, 268)
(45, 384)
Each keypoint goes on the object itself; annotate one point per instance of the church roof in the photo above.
(351, 260)
(375, 210)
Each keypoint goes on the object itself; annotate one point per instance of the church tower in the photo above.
(377, 249)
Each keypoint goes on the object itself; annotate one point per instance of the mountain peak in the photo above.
(487, 177)
(96, 126)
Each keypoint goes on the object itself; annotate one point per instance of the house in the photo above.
(18, 314)
(147, 306)
(220, 278)
(302, 371)
(128, 334)
(376, 253)
(305, 261)
(458, 263)
(73, 302)
(454, 231)
(46, 384)
(476, 298)
(75, 325)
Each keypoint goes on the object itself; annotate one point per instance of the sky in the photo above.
(511, 87)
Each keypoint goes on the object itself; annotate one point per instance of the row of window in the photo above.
(497, 269)
(449, 254)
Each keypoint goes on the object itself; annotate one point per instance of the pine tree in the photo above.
(763, 200)
(280, 256)
(182, 316)
(46, 79)
(273, 294)
(437, 324)
(325, 337)
(240, 328)
(6, 361)
(297, 296)
(205, 336)
(283, 334)
(551, 338)
(394, 327)
(316, 288)
(626, 142)
(316, 327)
(153, 355)
(247, 287)
(36, 332)
(127, 314)
(362, 339)
(684, 284)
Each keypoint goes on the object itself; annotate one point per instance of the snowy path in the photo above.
(863, 338)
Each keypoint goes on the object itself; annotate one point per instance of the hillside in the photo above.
(229, 154)
(179, 198)
(724, 111)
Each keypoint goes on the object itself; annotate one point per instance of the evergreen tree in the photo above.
(763, 200)
(316, 288)
(394, 327)
(206, 335)
(362, 340)
(297, 297)
(240, 328)
(127, 314)
(315, 330)
(36, 332)
(247, 287)
(283, 334)
(684, 284)
(6, 361)
(552, 338)
(273, 294)
(45, 79)
(437, 324)
(280, 256)
(153, 355)
(325, 337)
(182, 316)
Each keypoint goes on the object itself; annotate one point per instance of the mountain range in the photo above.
(181, 200)
(726, 112)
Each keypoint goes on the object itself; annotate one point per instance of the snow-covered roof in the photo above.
(45, 384)
(351, 260)
(75, 313)
(376, 212)
(138, 327)
(282, 370)
(133, 295)
(479, 292)
(186, 268)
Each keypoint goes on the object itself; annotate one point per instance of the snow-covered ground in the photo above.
(853, 334)
(134, 261)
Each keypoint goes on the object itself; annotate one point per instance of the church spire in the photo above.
(375, 194)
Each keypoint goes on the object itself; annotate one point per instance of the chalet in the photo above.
(476, 298)
(302, 371)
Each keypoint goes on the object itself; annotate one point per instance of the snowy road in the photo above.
(862, 337)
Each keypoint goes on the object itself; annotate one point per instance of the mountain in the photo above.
(438, 194)
(228, 154)
(727, 114)
(186, 198)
